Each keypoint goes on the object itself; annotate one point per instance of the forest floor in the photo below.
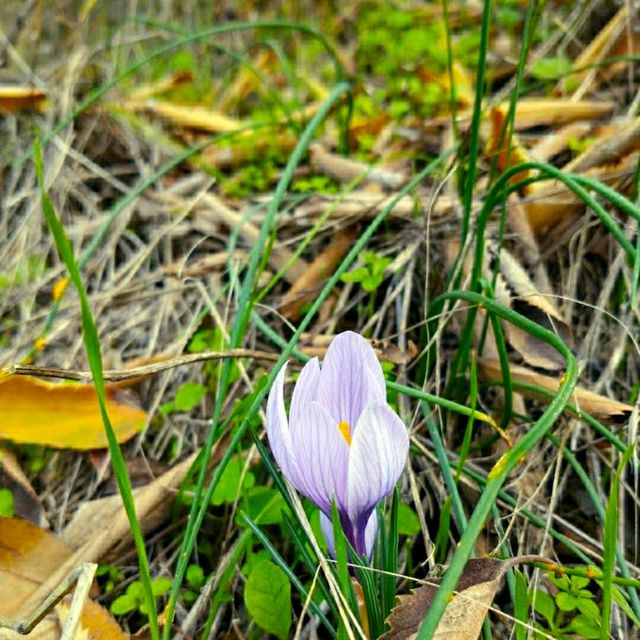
(241, 182)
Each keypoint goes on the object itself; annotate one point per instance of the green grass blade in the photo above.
(474, 131)
(610, 544)
(282, 563)
(509, 460)
(203, 34)
(201, 497)
(94, 356)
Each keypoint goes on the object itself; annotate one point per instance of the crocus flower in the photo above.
(341, 441)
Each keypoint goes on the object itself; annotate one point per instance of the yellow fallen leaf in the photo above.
(189, 116)
(65, 416)
(531, 112)
(13, 98)
(28, 555)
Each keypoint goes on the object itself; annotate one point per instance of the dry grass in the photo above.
(168, 267)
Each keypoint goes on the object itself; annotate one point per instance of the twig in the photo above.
(118, 375)
(82, 576)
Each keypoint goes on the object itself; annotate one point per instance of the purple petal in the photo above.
(378, 453)
(322, 455)
(351, 378)
(305, 392)
(370, 534)
(278, 429)
(327, 531)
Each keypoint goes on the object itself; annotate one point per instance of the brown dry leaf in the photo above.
(26, 503)
(28, 556)
(248, 78)
(227, 157)
(306, 287)
(13, 98)
(509, 151)
(612, 40)
(617, 139)
(515, 289)
(366, 205)
(187, 116)
(463, 617)
(94, 540)
(534, 112)
(362, 606)
(88, 521)
(600, 407)
(558, 141)
(65, 416)
(346, 169)
(163, 85)
(549, 202)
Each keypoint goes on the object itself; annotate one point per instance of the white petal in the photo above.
(351, 377)
(322, 455)
(278, 429)
(378, 453)
(305, 391)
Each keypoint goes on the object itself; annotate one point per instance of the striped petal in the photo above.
(305, 391)
(370, 535)
(278, 431)
(322, 455)
(350, 379)
(378, 453)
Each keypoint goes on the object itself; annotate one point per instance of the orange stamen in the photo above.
(345, 430)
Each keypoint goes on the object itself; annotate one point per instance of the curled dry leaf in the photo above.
(164, 84)
(463, 617)
(535, 111)
(65, 416)
(600, 407)
(94, 541)
(508, 150)
(515, 289)
(28, 556)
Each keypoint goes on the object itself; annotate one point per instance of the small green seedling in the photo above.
(371, 274)
(133, 599)
(6, 503)
(571, 612)
(110, 577)
(195, 581)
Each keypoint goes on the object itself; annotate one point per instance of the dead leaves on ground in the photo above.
(65, 416)
(463, 617)
(33, 561)
(600, 407)
(28, 556)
